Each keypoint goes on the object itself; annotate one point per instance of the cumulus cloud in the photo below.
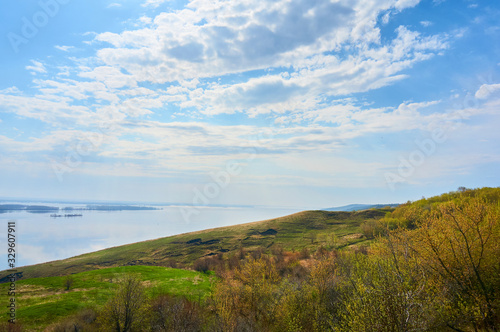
(322, 75)
(317, 48)
(212, 39)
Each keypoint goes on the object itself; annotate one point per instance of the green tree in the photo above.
(382, 293)
(68, 282)
(459, 242)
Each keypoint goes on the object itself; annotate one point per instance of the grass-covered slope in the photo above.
(41, 301)
(293, 232)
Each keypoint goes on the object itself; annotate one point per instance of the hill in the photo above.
(293, 232)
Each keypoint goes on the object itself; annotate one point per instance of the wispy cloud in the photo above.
(36, 67)
(64, 48)
(154, 3)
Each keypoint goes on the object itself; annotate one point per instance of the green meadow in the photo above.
(42, 301)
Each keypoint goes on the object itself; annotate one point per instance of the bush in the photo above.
(8, 327)
(127, 310)
(82, 321)
(202, 265)
(170, 313)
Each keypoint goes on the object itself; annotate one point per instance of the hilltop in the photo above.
(359, 207)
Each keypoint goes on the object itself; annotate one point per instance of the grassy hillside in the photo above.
(293, 232)
(42, 301)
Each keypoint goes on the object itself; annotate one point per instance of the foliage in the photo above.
(434, 267)
(169, 313)
(459, 241)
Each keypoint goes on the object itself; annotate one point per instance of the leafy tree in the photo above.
(381, 293)
(459, 242)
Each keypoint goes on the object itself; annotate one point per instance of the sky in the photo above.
(290, 103)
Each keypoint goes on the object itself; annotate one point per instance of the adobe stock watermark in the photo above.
(211, 190)
(222, 179)
(91, 142)
(428, 146)
(87, 144)
(407, 166)
(31, 26)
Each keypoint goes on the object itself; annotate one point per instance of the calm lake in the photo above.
(41, 238)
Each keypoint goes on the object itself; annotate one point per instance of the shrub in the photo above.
(170, 313)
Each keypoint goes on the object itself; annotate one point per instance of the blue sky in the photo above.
(295, 103)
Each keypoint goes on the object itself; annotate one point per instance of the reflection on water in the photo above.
(41, 238)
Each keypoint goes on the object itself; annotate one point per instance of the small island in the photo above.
(70, 211)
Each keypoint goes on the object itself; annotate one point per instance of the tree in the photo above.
(382, 293)
(68, 282)
(459, 241)
(126, 311)
(249, 300)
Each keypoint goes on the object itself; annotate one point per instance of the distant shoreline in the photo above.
(4, 208)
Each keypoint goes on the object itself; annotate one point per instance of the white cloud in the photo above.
(210, 40)
(36, 67)
(112, 77)
(12, 90)
(319, 75)
(64, 48)
(403, 4)
(206, 40)
(486, 90)
(154, 3)
(76, 90)
(146, 20)
(426, 23)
